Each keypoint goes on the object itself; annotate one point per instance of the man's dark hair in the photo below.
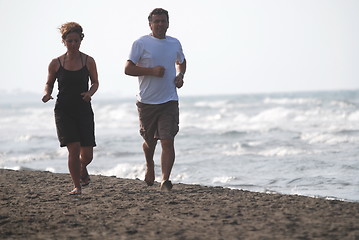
(158, 11)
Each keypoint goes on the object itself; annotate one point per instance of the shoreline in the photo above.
(268, 191)
(35, 205)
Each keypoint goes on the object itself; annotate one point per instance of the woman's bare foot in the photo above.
(84, 176)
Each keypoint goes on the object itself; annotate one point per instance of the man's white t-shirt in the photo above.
(149, 52)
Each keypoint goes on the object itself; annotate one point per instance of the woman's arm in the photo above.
(91, 65)
(51, 78)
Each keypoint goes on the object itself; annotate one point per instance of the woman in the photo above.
(73, 112)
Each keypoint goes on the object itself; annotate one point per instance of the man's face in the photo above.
(159, 26)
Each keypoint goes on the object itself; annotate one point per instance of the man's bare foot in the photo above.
(150, 173)
(166, 185)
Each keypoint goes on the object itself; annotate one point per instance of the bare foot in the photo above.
(150, 173)
(84, 176)
(166, 185)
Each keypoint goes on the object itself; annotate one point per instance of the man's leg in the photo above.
(149, 151)
(167, 158)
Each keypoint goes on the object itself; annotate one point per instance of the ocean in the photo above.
(304, 143)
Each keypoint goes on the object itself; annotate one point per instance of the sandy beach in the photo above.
(35, 205)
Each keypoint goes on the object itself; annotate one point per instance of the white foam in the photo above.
(328, 138)
(283, 151)
(23, 138)
(126, 170)
(210, 104)
(223, 179)
(278, 151)
(354, 116)
(291, 101)
(50, 169)
(273, 115)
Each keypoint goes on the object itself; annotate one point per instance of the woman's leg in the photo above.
(86, 156)
(74, 163)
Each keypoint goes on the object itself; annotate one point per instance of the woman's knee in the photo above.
(86, 155)
(74, 149)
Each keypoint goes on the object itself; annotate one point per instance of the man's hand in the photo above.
(179, 80)
(158, 71)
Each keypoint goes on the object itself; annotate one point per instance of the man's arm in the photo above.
(181, 70)
(132, 69)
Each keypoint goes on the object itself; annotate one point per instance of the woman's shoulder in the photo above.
(87, 58)
(55, 63)
(59, 58)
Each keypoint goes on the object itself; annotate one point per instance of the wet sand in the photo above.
(35, 205)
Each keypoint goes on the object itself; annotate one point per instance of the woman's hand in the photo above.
(46, 98)
(86, 96)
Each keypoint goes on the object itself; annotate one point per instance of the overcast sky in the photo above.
(251, 46)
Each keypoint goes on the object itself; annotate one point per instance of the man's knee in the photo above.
(167, 143)
(149, 146)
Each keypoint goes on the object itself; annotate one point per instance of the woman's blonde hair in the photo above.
(71, 27)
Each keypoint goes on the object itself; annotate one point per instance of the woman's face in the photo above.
(72, 42)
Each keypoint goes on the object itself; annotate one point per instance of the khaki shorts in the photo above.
(158, 121)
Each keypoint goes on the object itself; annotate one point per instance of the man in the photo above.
(160, 65)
